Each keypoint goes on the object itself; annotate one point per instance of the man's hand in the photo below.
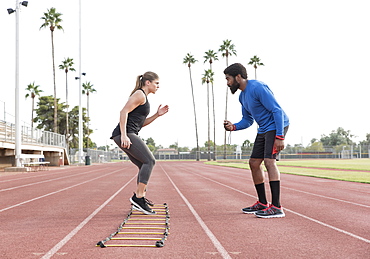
(228, 125)
(279, 144)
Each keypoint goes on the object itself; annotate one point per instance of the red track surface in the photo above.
(63, 213)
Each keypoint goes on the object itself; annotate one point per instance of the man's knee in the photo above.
(270, 163)
(255, 163)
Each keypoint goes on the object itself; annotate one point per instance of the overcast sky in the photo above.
(316, 55)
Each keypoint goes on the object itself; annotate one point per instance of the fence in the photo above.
(95, 156)
(30, 135)
(350, 152)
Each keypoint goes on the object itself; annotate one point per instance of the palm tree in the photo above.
(52, 20)
(255, 61)
(67, 64)
(87, 89)
(210, 56)
(189, 59)
(33, 92)
(227, 49)
(207, 78)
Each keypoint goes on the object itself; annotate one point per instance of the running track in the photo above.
(63, 213)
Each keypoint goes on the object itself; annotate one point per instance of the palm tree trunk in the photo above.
(214, 125)
(33, 105)
(55, 88)
(88, 126)
(195, 116)
(209, 131)
(255, 73)
(67, 114)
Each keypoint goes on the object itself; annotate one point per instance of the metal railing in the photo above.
(31, 136)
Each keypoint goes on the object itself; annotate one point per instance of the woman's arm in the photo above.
(161, 111)
(138, 98)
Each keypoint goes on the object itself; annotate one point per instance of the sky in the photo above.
(316, 59)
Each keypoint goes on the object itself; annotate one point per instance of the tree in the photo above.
(150, 141)
(73, 131)
(227, 49)
(207, 78)
(247, 146)
(74, 118)
(255, 61)
(210, 56)
(44, 114)
(189, 59)
(338, 137)
(33, 92)
(151, 144)
(52, 20)
(87, 89)
(366, 141)
(67, 64)
(44, 118)
(315, 146)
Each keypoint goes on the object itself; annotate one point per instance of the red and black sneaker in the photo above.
(255, 207)
(271, 212)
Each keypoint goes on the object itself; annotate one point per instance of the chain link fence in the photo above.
(94, 156)
(338, 152)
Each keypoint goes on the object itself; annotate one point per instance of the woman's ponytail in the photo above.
(141, 79)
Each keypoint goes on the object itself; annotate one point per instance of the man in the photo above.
(259, 104)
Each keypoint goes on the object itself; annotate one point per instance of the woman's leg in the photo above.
(142, 157)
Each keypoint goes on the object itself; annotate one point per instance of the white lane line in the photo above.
(45, 181)
(51, 193)
(209, 233)
(309, 193)
(330, 226)
(313, 194)
(48, 173)
(301, 215)
(68, 237)
(330, 198)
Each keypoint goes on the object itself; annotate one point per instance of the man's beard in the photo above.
(234, 87)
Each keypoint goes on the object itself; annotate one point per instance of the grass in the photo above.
(337, 169)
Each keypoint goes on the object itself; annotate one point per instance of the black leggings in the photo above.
(140, 155)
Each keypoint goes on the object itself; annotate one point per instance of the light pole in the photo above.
(18, 149)
(80, 125)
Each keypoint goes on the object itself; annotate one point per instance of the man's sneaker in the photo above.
(271, 212)
(255, 207)
(141, 205)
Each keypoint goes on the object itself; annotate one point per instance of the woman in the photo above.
(133, 117)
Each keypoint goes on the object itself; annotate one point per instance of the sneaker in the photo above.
(149, 202)
(271, 212)
(255, 207)
(141, 205)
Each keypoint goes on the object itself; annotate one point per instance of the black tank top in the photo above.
(135, 119)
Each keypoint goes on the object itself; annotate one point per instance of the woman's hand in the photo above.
(125, 141)
(162, 110)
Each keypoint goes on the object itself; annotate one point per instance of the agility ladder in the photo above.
(141, 228)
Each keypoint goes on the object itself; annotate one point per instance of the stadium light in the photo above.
(18, 140)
